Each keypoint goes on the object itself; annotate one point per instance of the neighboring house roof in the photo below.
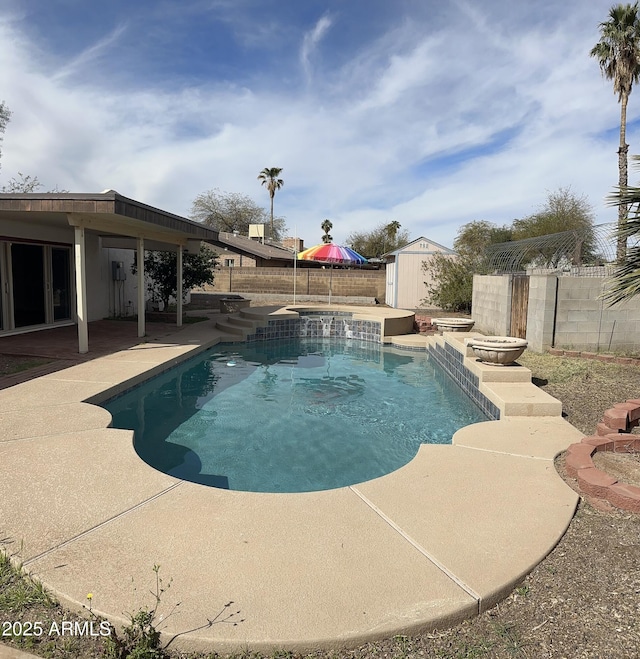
(251, 247)
(420, 245)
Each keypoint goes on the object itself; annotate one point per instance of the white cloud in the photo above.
(310, 42)
(369, 139)
(90, 55)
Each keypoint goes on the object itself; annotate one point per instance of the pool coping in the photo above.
(441, 539)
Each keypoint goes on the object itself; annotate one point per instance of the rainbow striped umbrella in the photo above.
(330, 253)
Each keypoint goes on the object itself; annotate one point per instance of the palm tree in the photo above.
(326, 226)
(391, 231)
(625, 282)
(618, 54)
(269, 177)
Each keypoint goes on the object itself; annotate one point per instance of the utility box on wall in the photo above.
(118, 273)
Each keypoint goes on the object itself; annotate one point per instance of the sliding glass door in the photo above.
(35, 285)
(61, 283)
(27, 272)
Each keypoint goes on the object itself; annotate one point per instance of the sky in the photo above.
(432, 113)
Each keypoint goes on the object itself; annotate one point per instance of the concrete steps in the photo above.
(242, 323)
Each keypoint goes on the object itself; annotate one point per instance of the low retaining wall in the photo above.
(613, 433)
(309, 281)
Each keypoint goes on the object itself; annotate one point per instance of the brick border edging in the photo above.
(422, 324)
(613, 434)
(626, 361)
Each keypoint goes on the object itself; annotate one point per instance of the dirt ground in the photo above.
(581, 602)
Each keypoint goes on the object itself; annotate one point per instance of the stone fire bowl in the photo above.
(453, 324)
(500, 350)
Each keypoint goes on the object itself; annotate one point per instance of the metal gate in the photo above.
(519, 305)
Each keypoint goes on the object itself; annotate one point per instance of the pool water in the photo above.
(292, 416)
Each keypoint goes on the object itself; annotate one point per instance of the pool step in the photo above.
(238, 325)
(242, 322)
(260, 314)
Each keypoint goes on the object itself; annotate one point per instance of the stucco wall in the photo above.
(121, 297)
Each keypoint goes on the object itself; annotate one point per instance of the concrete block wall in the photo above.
(491, 308)
(584, 322)
(350, 283)
(564, 312)
(540, 313)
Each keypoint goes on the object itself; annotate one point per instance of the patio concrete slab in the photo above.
(151, 353)
(7, 652)
(532, 437)
(53, 489)
(52, 420)
(41, 392)
(487, 517)
(304, 570)
(433, 542)
(109, 372)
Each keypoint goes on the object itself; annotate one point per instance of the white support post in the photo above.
(81, 290)
(141, 309)
(179, 291)
(295, 262)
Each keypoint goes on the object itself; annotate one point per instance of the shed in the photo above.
(405, 278)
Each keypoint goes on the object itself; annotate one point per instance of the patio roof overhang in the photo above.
(121, 221)
(105, 213)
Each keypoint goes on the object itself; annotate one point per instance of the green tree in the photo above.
(392, 230)
(162, 270)
(563, 211)
(618, 54)
(22, 184)
(232, 211)
(269, 178)
(625, 282)
(451, 279)
(386, 237)
(5, 115)
(326, 226)
(453, 283)
(474, 237)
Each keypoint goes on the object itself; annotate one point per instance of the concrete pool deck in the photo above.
(439, 540)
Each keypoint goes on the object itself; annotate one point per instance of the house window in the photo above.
(228, 263)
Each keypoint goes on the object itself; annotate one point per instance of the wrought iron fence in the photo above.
(588, 252)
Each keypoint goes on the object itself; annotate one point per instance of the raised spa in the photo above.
(292, 416)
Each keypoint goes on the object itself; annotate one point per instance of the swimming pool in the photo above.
(293, 415)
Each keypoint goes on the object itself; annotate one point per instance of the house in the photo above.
(65, 257)
(241, 252)
(405, 286)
